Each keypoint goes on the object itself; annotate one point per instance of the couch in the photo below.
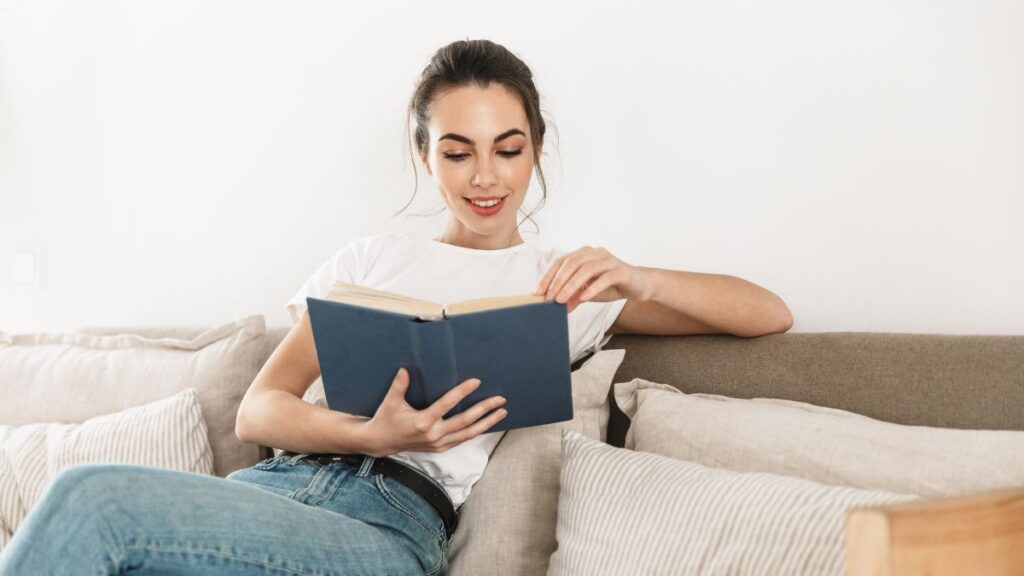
(968, 382)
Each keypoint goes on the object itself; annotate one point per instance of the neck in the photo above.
(479, 242)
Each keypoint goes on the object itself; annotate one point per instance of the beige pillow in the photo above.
(168, 433)
(507, 524)
(624, 512)
(820, 444)
(70, 377)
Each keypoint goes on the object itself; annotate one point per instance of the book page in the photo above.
(493, 303)
(383, 300)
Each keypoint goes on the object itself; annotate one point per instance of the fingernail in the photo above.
(502, 399)
(503, 412)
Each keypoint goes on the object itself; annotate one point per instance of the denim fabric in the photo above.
(284, 515)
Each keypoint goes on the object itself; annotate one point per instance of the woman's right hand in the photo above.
(396, 426)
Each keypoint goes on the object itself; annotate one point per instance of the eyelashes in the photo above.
(461, 157)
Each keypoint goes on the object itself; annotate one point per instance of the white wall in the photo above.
(186, 163)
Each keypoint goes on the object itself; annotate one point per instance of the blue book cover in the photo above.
(520, 352)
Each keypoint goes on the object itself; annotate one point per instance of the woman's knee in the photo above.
(89, 485)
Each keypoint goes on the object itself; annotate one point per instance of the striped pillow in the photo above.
(168, 433)
(625, 512)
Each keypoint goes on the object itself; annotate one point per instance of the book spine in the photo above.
(434, 347)
(416, 395)
(452, 374)
(454, 367)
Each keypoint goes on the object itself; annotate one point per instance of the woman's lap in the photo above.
(279, 517)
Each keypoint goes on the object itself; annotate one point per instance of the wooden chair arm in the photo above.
(976, 534)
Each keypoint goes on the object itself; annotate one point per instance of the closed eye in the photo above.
(504, 153)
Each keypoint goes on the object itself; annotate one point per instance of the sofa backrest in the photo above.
(944, 380)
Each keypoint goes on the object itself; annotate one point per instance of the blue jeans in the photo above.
(284, 515)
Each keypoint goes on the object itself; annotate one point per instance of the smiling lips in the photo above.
(486, 210)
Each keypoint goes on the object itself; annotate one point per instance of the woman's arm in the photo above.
(273, 413)
(680, 302)
(664, 302)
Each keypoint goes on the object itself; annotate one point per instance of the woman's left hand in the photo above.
(593, 274)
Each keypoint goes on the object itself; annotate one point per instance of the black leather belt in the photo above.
(408, 476)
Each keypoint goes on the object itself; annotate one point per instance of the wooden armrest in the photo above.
(977, 534)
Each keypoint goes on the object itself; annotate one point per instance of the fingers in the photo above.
(588, 274)
(473, 431)
(554, 281)
(542, 286)
(399, 386)
(445, 403)
(594, 287)
(467, 417)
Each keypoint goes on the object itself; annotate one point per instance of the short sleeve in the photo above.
(589, 324)
(346, 265)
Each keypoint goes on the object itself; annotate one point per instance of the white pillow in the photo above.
(624, 512)
(821, 444)
(169, 433)
(69, 377)
(507, 524)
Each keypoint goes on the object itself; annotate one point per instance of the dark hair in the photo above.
(474, 63)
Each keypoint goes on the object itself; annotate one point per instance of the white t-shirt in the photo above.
(424, 268)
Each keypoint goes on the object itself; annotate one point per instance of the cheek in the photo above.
(451, 176)
(517, 172)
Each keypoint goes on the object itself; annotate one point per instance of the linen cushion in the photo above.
(507, 524)
(70, 377)
(168, 433)
(817, 443)
(625, 512)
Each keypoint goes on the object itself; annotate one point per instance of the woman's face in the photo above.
(480, 147)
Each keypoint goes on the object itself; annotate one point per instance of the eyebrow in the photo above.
(464, 140)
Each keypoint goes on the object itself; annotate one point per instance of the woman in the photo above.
(389, 507)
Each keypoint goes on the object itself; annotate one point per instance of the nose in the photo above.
(485, 176)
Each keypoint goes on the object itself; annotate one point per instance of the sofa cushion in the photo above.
(821, 444)
(626, 512)
(69, 377)
(168, 433)
(507, 523)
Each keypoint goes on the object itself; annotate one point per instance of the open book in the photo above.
(391, 301)
(518, 346)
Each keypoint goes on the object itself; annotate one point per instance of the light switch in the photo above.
(26, 268)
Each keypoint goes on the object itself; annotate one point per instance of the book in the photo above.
(518, 346)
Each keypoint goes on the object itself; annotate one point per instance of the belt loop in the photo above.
(364, 469)
(296, 458)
